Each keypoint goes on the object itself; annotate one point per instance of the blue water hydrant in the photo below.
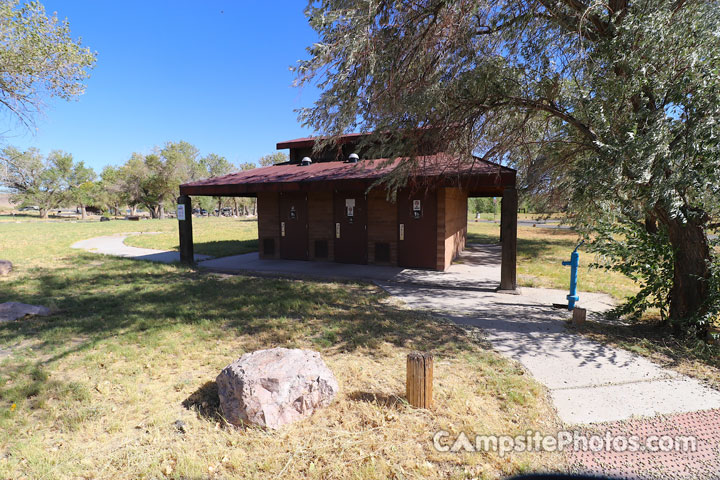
(573, 263)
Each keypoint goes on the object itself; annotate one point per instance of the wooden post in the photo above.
(508, 268)
(579, 315)
(419, 379)
(184, 212)
(502, 222)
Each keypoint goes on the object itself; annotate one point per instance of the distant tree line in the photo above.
(148, 181)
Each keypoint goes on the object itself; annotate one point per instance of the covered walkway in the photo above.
(476, 268)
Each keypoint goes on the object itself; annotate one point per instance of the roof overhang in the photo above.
(479, 178)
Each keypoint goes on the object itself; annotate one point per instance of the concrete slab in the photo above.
(114, 245)
(478, 268)
(589, 382)
(634, 399)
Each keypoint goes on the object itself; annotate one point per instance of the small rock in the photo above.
(180, 426)
(5, 267)
(272, 388)
(10, 311)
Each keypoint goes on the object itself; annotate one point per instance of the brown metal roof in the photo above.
(328, 175)
(310, 141)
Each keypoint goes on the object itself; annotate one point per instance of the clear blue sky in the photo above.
(212, 72)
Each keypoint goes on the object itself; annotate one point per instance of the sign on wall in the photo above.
(181, 211)
(417, 209)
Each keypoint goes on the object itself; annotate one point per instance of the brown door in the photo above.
(350, 212)
(293, 226)
(417, 229)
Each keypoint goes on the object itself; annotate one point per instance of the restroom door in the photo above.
(293, 226)
(417, 229)
(350, 215)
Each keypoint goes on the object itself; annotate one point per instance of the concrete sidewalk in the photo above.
(589, 382)
(477, 268)
(114, 245)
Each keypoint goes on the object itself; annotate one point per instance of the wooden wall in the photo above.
(382, 225)
(321, 226)
(452, 225)
(268, 210)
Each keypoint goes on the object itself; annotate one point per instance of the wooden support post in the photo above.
(184, 215)
(579, 315)
(419, 379)
(508, 268)
(502, 221)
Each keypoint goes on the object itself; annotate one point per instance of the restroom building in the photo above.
(328, 207)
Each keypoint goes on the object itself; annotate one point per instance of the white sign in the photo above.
(181, 211)
(337, 230)
(417, 205)
(282, 229)
(350, 202)
(402, 231)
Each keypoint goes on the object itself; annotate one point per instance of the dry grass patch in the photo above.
(96, 390)
(541, 252)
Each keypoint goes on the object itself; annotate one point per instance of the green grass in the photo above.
(541, 252)
(218, 237)
(93, 391)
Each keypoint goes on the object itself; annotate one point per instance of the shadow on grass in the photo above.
(654, 337)
(205, 402)
(225, 248)
(133, 302)
(380, 399)
(531, 247)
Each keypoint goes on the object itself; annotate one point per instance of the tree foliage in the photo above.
(43, 182)
(272, 159)
(38, 59)
(612, 106)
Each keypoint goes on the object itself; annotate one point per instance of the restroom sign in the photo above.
(293, 214)
(181, 211)
(417, 209)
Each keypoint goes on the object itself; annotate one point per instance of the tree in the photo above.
(153, 180)
(38, 59)
(613, 103)
(482, 205)
(249, 204)
(215, 166)
(112, 190)
(273, 159)
(82, 189)
(36, 181)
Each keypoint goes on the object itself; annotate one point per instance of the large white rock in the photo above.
(10, 311)
(5, 267)
(274, 387)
